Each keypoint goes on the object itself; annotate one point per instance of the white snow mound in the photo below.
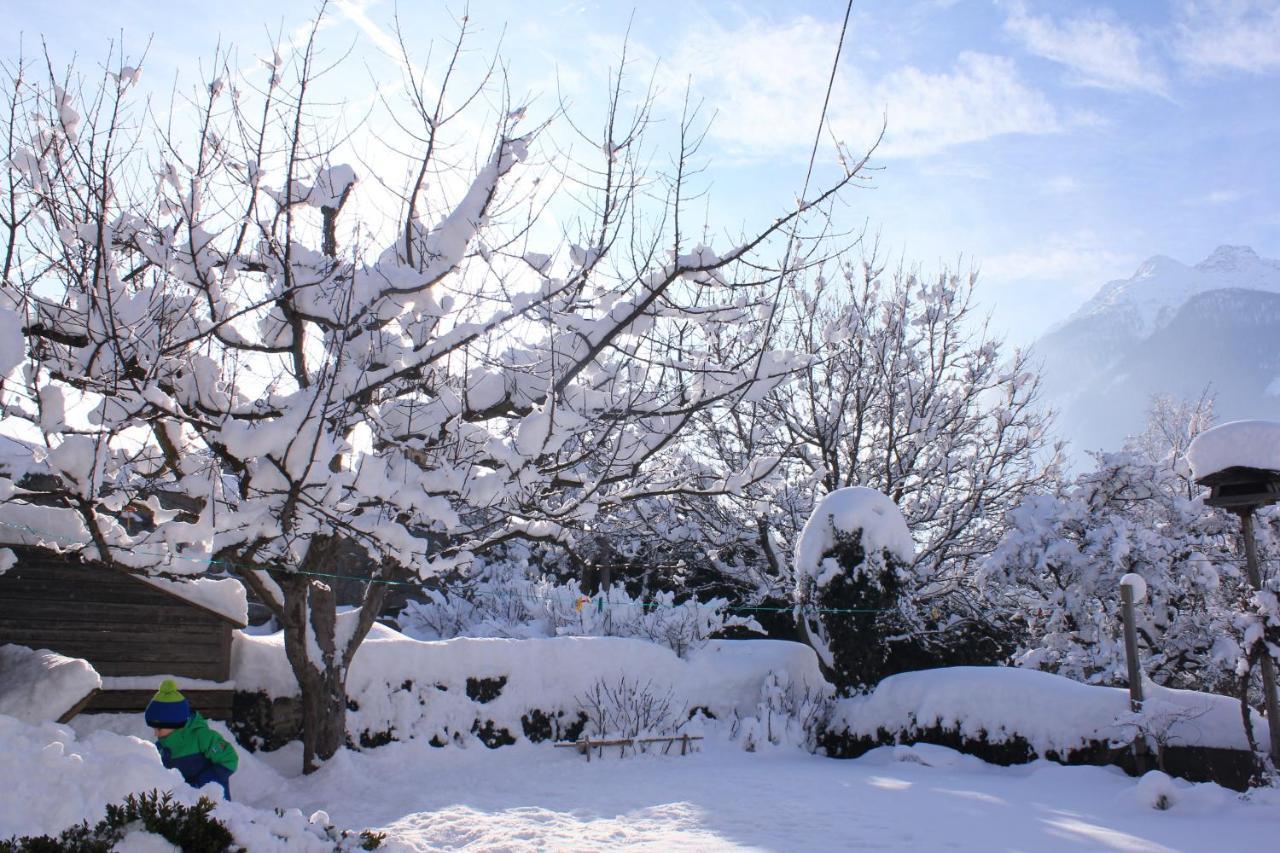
(67, 778)
(1248, 444)
(845, 511)
(40, 685)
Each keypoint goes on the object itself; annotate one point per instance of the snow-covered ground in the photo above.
(535, 797)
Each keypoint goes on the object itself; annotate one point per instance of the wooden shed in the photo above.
(133, 630)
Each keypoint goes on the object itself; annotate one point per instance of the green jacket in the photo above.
(200, 754)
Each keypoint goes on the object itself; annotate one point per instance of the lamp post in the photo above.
(1244, 490)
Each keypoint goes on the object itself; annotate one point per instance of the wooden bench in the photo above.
(585, 745)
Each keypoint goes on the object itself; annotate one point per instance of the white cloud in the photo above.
(1229, 35)
(1081, 258)
(980, 97)
(1218, 197)
(767, 83)
(1101, 51)
(1061, 185)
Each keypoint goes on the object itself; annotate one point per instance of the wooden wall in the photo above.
(120, 625)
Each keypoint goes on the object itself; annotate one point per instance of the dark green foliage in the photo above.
(372, 740)
(192, 828)
(1230, 768)
(80, 839)
(490, 735)
(484, 690)
(893, 634)
(260, 722)
(370, 840)
(864, 598)
(968, 641)
(541, 726)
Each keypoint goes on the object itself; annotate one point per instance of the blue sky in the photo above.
(1055, 145)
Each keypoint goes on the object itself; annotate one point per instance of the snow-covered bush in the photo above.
(150, 814)
(502, 691)
(787, 714)
(851, 563)
(1059, 569)
(509, 600)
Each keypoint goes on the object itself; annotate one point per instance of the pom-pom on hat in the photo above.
(168, 709)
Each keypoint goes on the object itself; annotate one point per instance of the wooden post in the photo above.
(1131, 648)
(606, 581)
(1141, 758)
(1268, 667)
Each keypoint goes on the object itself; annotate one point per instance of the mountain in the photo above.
(1169, 329)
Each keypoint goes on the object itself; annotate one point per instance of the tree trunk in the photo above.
(310, 621)
(320, 659)
(324, 717)
(319, 655)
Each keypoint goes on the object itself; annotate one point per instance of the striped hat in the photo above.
(168, 709)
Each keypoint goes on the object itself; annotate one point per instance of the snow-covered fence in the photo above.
(1013, 716)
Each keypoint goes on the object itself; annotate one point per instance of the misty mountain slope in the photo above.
(1170, 329)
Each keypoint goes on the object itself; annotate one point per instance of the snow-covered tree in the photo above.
(1172, 424)
(906, 393)
(227, 363)
(852, 563)
(1059, 568)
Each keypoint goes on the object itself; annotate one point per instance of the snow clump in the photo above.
(846, 511)
(1248, 444)
(1137, 583)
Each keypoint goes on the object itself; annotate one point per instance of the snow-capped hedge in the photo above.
(442, 690)
(1010, 715)
(1051, 713)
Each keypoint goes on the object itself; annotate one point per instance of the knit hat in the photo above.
(168, 709)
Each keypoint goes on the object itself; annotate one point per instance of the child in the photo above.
(186, 742)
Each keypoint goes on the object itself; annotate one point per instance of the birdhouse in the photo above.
(1240, 487)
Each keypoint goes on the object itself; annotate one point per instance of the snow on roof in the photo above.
(39, 685)
(847, 510)
(1049, 711)
(1249, 444)
(224, 596)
